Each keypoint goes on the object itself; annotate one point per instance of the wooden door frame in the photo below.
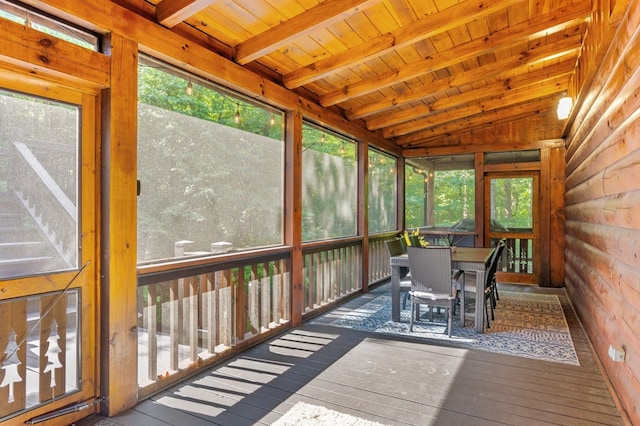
(85, 276)
(534, 278)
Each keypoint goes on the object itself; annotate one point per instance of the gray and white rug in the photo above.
(526, 324)
(303, 414)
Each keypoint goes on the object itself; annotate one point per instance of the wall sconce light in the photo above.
(564, 107)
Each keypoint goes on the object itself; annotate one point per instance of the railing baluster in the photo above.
(174, 324)
(192, 283)
(150, 321)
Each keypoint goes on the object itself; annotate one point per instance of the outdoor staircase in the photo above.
(22, 248)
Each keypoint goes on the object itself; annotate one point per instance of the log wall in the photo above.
(602, 272)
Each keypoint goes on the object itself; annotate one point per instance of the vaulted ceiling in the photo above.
(414, 71)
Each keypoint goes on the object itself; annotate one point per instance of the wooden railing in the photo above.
(196, 311)
(332, 270)
(517, 256)
(192, 316)
(379, 265)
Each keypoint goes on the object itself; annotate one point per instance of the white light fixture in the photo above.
(564, 107)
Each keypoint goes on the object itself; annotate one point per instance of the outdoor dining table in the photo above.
(463, 258)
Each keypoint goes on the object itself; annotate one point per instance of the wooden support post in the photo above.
(119, 353)
(293, 212)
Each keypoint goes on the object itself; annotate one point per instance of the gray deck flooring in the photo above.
(389, 380)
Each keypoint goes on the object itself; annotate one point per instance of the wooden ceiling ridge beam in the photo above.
(501, 69)
(436, 148)
(170, 13)
(324, 14)
(496, 88)
(547, 23)
(428, 26)
(481, 123)
(534, 99)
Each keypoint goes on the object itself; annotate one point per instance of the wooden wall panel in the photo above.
(602, 272)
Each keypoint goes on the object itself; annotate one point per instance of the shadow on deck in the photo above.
(385, 379)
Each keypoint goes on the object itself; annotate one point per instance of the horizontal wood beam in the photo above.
(43, 54)
(454, 149)
(481, 120)
(314, 19)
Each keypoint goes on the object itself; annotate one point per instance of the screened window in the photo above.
(415, 202)
(38, 185)
(329, 184)
(53, 27)
(382, 192)
(210, 166)
(446, 188)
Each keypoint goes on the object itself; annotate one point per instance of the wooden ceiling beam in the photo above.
(501, 69)
(429, 26)
(557, 20)
(171, 12)
(314, 19)
(405, 121)
(487, 113)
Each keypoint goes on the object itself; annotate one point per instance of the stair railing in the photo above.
(46, 202)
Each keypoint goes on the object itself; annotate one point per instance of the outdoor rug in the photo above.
(526, 324)
(303, 414)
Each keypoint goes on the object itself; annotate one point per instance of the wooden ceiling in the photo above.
(414, 71)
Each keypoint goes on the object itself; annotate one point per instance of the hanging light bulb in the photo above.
(322, 138)
(272, 121)
(236, 117)
(564, 107)
(189, 89)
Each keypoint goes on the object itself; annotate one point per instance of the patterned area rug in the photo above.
(527, 325)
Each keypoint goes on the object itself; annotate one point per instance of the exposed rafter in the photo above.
(171, 12)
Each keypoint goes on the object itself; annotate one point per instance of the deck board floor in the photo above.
(389, 380)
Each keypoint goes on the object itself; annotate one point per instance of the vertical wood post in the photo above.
(557, 226)
(119, 353)
(293, 211)
(363, 208)
(480, 199)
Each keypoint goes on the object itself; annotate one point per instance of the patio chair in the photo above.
(501, 246)
(395, 248)
(432, 281)
(488, 285)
